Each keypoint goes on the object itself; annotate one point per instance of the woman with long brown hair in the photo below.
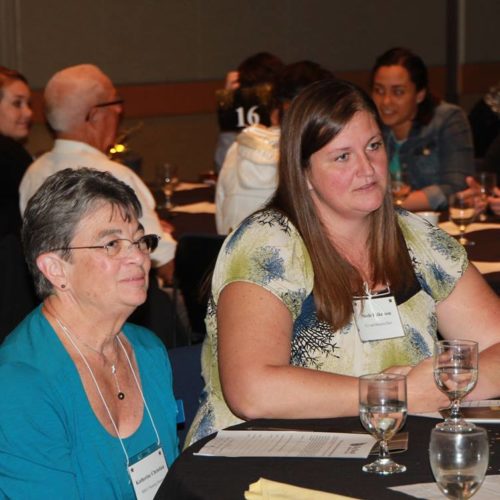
(329, 282)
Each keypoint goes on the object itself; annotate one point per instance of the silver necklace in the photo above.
(115, 427)
(120, 394)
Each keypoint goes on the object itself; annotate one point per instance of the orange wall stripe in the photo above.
(170, 99)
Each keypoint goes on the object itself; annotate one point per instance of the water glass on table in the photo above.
(459, 460)
(382, 411)
(455, 374)
(168, 179)
(462, 212)
(487, 183)
(400, 187)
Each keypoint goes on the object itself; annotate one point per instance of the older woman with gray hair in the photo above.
(85, 396)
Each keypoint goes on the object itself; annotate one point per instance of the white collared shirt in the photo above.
(76, 154)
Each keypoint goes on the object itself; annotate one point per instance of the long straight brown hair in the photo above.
(314, 118)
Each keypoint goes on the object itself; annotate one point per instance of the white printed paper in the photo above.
(267, 443)
(430, 491)
(491, 417)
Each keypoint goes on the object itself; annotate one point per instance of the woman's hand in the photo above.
(166, 226)
(474, 190)
(423, 394)
(399, 369)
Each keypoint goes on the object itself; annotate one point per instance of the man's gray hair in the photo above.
(63, 200)
(71, 93)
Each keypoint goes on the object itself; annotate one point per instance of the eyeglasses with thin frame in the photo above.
(116, 102)
(121, 246)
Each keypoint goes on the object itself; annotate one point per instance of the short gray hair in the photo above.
(55, 210)
(71, 93)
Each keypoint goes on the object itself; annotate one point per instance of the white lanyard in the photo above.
(368, 293)
(68, 334)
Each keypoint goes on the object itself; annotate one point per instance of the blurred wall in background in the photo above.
(168, 56)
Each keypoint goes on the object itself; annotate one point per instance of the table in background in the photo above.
(193, 219)
(221, 478)
(185, 222)
(486, 248)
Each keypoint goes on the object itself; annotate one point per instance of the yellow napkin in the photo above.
(265, 489)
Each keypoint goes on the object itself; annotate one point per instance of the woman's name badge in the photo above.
(377, 318)
(147, 474)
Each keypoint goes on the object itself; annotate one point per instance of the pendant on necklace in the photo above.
(121, 395)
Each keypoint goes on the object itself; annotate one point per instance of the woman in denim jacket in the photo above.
(428, 139)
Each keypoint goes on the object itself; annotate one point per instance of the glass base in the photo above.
(456, 425)
(465, 242)
(384, 466)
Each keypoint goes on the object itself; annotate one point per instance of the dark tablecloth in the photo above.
(219, 478)
(486, 249)
(184, 222)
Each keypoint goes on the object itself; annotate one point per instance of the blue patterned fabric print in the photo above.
(312, 339)
(266, 250)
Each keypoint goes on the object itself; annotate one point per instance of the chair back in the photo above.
(194, 262)
(17, 292)
(188, 383)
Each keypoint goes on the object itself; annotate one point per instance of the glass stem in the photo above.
(383, 450)
(455, 409)
(462, 229)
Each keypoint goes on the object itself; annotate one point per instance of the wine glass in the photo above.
(462, 210)
(400, 187)
(382, 411)
(487, 183)
(168, 179)
(455, 374)
(459, 460)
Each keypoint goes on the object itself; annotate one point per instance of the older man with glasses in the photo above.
(83, 108)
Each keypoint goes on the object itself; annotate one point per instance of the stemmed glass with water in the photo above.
(487, 183)
(462, 212)
(459, 460)
(168, 180)
(400, 187)
(382, 411)
(455, 374)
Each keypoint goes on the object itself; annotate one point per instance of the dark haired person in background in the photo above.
(484, 119)
(249, 175)
(245, 100)
(429, 139)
